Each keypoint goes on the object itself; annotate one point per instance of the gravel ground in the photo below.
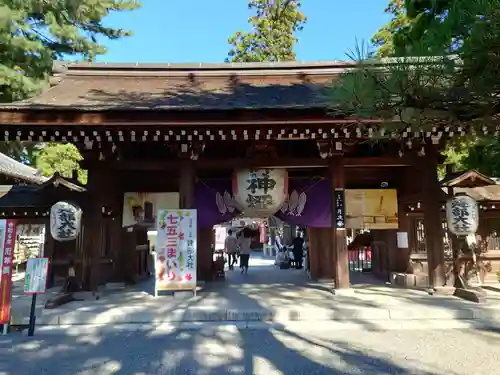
(227, 350)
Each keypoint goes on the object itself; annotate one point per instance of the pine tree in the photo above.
(272, 37)
(33, 33)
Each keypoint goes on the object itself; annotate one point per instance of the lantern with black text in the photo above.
(65, 221)
(260, 192)
(462, 215)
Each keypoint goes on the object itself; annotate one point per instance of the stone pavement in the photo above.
(270, 295)
(228, 350)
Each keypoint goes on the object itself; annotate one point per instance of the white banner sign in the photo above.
(220, 237)
(35, 281)
(175, 265)
(402, 239)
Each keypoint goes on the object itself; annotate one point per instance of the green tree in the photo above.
(24, 152)
(60, 157)
(34, 33)
(383, 39)
(469, 29)
(273, 34)
(420, 89)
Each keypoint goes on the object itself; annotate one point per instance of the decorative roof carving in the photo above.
(468, 179)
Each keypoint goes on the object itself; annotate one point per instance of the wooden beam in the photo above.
(156, 165)
(58, 117)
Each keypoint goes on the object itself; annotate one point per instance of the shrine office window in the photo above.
(419, 236)
(492, 227)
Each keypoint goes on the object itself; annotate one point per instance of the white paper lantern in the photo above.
(462, 215)
(65, 221)
(260, 192)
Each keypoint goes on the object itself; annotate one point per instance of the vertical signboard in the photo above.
(220, 237)
(262, 233)
(339, 209)
(7, 243)
(176, 244)
(35, 281)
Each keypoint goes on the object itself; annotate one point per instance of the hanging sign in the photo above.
(65, 221)
(402, 240)
(35, 281)
(260, 192)
(339, 213)
(462, 215)
(220, 237)
(262, 233)
(7, 243)
(176, 243)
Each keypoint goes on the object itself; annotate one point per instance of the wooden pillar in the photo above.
(339, 245)
(92, 226)
(114, 203)
(49, 252)
(431, 200)
(402, 258)
(314, 264)
(187, 175)
(204, 254)
(187, 179)
(321, 257)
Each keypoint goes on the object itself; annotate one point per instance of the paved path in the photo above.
(226, 350)
(270, 294)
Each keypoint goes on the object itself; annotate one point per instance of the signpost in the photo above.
(35, 283)
(7, 242)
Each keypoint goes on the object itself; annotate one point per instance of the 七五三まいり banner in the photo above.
(175, 263)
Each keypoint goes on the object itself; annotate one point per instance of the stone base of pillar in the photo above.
(442, 291)
(344, 292)
(471, 294)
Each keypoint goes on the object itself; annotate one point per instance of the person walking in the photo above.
(298, 250)
(244, 242)
(231, 247)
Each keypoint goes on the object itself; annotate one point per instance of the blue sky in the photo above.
(197, 30)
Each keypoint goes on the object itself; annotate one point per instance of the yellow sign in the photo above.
(371, 209)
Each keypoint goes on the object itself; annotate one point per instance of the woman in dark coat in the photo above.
(298, 250)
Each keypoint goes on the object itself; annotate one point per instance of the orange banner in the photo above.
(7, 243)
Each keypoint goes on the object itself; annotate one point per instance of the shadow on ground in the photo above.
(206, 352)
(268, 293)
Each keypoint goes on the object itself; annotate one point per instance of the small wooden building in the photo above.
(486, 191)
(26, 195)
(166, 127)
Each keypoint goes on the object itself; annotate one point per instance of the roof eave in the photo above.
(57, 180)
(476, 178)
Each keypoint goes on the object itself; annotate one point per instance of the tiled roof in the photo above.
(88, 86)
(483, 193)
(14, 169)
(20, 196)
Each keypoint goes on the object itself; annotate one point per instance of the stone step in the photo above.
(138, 315)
